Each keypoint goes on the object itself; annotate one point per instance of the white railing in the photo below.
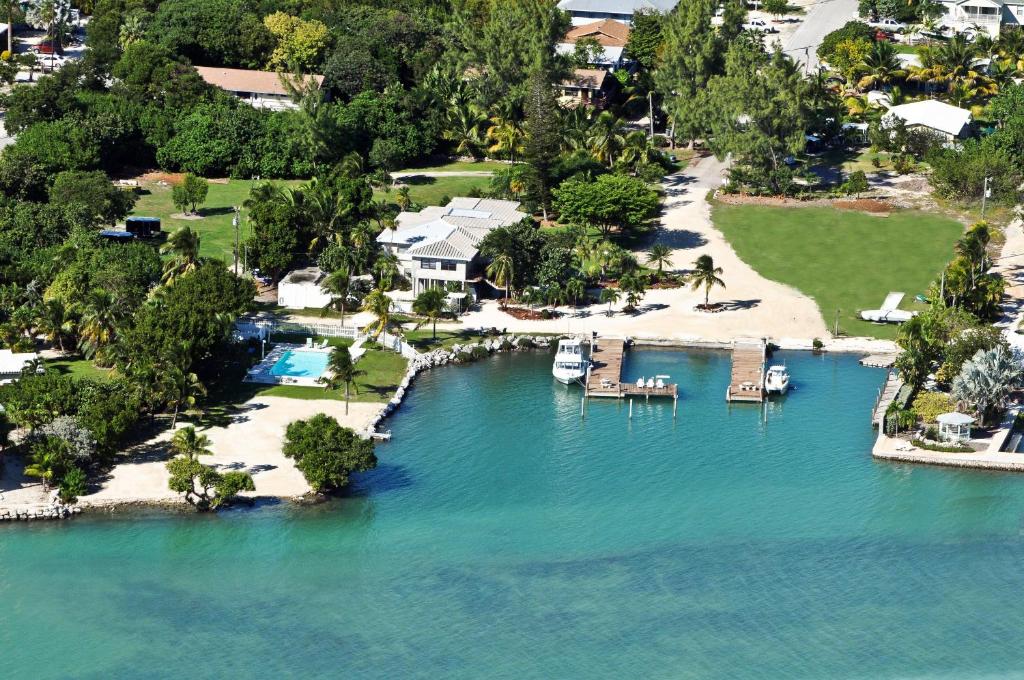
(265, 327)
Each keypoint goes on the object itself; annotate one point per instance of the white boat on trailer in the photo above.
(776, 380)
(570, 364)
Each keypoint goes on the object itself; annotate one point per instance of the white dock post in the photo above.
(583, 407)
(631, 409)
(675, 404)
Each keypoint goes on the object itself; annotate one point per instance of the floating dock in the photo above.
(604, 379)
(747, 382)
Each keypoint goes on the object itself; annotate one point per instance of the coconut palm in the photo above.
(987, 379)
(431, 304)
(634, 287)
(705, 275)
(183, 246)
(342, 372)
(386, 269)
(609, 296)
(338, 285)
(506, 137)
(403, 199)
(605, 137)
(880, 67)
(554, 295)
(53, 16)
(190, 444)
(133, 30)
(574, 290)
(54, 322)
(178, 389)
(637, 151)
(502, 271)
(99, 322)
(463, 127)
(380, 305)
(659, 255)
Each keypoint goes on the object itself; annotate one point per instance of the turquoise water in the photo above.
(300, 364)
(502, 538)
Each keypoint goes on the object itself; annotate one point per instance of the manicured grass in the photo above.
(430, 190)
(79, 368)
(845, 260)
(851, 161)
(383, 372)
(424, 341)
(460, 166)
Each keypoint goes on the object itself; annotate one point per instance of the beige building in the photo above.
(261, 89)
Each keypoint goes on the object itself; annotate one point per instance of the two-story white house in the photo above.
(989, 16)
(438, 245)
(588, 11)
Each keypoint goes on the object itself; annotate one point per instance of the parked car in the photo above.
(889, 25)
(760, 25)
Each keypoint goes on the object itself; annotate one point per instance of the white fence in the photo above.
(263, 328)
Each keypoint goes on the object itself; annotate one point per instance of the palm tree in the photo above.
(339, 285)
(99, 322)
(55, 322)
(190, 444)
(705, 274)
(506, 137)
(574, 290)
(403, 199)
(432, 304)
(637, 151)
(342, 372)
(634, 287)
(133, 29)
(605, 137)
(661, 255)
(611, 296)
(881, 66)
(502, 271)
(987, 379)
(183, 246)
(463, 128)
(554, 295)
(178, 388)
(380, 305)
(386, 268)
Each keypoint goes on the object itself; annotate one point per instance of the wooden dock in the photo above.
(886, 394)
(747, 383)
(885, 360)
(604, 379)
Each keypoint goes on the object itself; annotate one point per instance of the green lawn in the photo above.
(460, 166)
(424, 341)
(78, 368)
(845, 260)
(430, 190)
(383, 372)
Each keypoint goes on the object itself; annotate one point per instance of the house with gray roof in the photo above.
(438, 245)
(588, 11)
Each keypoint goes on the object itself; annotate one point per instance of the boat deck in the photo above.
(604, 379)
(747, 383)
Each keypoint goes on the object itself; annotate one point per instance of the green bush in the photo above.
(930, 405)
(921, 444)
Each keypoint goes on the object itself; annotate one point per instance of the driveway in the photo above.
(822, 17)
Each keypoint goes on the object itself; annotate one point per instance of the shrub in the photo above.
(942, 448)
(876, 161)
(327, 453)
(930, 405)
(817, 345)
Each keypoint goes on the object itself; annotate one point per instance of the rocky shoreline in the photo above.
(39, 512)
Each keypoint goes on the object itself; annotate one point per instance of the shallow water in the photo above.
(503, 537)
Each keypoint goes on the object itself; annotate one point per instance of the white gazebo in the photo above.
(955, 427)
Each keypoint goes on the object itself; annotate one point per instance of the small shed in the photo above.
(301, 289)
(955, 427)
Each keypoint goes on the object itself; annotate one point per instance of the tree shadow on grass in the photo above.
(212, 212)
(418, 180)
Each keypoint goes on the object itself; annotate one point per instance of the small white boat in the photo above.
(570, 364)
(776, 380)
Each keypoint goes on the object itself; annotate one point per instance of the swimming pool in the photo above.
(297, 363)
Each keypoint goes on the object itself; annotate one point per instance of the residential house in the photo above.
(589, 11)
(260, 89)
(586, 87)
(610, 34)
(989, 16)
(438, 245)
(12, 364)
(951, 122)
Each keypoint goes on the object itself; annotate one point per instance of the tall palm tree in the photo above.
(342, 372)
(179, 389)
(660, 255)
(403, 199)
(380, 305)
(502, 271)
(610, 296)
(463, 128)
(637, 151)
(705, 275)
(574, 290)
(55, 322)
(339, 285)
(183, 246)
(431, 304)
(190, 444)
(605, 137)
(506, 137)
(99, 322)
(881, 66)
(386, 269)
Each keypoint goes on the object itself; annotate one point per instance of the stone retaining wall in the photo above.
(27, 513)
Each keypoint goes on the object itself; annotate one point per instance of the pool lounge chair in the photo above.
(309, 343)
(323, 345)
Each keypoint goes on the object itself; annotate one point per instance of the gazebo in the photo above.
(955, 427)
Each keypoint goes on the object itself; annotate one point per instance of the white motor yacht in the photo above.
(570, 364)
(776, 380)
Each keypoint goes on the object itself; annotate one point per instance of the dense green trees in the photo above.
(609, 202)
(326, 453)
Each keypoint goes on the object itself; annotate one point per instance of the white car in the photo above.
(760, 25)
(889, 25)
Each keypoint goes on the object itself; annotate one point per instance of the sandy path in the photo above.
(251, 442)
(755, 306)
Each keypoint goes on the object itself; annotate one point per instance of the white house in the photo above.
(260, 89)
(983, 15)
(587, 11)
(438, 245)
(301, 289)
(11, 364)
(950, 121)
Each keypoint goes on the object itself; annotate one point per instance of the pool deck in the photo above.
(261, 372)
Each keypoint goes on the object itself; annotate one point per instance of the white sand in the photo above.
(756, 307)
(251, 443)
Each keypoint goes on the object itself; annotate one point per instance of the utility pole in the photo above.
(235, 222)
(986, 192)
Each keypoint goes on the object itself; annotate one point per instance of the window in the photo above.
(448, 266)
(428, 264)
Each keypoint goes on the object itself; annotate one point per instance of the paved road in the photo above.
(822, 17)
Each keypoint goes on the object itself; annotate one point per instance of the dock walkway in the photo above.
(604, 379)
(886, 394)
(747, 383)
